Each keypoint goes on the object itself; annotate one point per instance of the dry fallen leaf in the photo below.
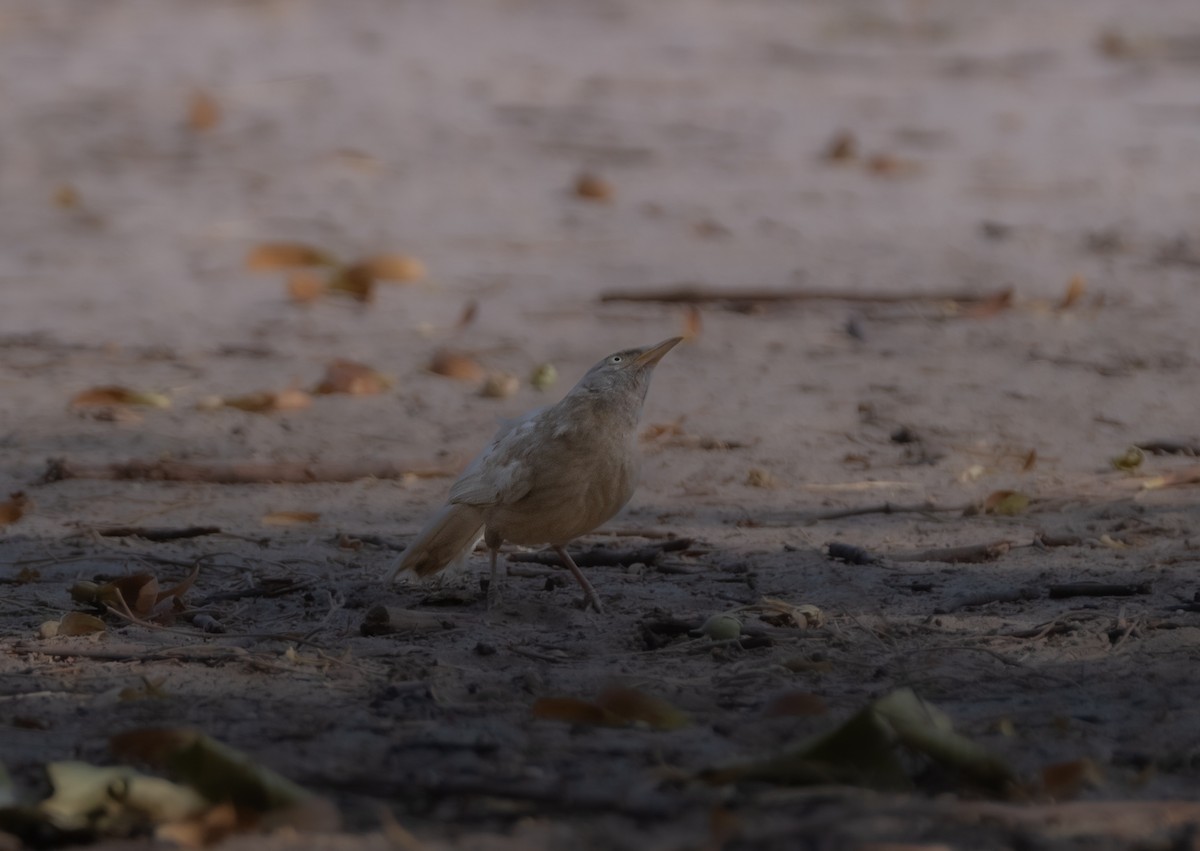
(614, 707)
(1129, 460)
(842, 147)
(691, 323)
(543, 377)
(886, 165)
(1074, 293)
(1005, 503)
(990, 306)
(66, 197)
(1065, 780)
(573, 711)
(270, 256)
(79, 623)
(137, 594)
(355, 280)
(795, 703)
(401, 268)
(1030, 461)
(470, 311)
(1187, 476)
(456, 365)
(760, 478)
(14, 508)
(500, 385)
(290, 518)
(266, 402)
(304, 287)
(352, 377)
(115, 395)
(593, 188)
(204, 113)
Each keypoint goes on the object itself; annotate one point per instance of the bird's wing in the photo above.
(502, 472)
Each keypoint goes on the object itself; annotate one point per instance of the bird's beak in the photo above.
(654, 354)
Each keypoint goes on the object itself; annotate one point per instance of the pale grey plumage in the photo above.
(549, 476)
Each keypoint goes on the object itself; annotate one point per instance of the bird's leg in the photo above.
(589, 592)
(493, 593)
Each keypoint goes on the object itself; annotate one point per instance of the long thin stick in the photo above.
(245, 473)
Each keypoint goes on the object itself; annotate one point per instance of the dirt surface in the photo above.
(991, 147)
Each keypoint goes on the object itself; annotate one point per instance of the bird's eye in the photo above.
(615, 359)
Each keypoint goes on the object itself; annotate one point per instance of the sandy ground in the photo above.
(996, 147)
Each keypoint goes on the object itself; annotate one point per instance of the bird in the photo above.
(548, 476)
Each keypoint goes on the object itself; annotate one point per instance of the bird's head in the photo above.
(626, 373)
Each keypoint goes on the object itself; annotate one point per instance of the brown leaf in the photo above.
(66, 197)
(290, 518)
(356, 281)
(573, 711)
(400, 268)
(181, 588)
(116, 395)
(1030, 461)
(1065, 780)
(614, 707)
(633, 706)
(500, 385)
(1186, 476)
(593, 188)
(760, 478)
(456, 365)
(304, 287)
(990, 306)
(843, 147)
(352, 377)
(886, 165)
(270, 256)
(1074, 292)
(1005, 503)
(691, 323)
(79, 623)
(14, 508)
(795, 703)
(470, 311)
(266, 402)
(204, 113)
(135, 594)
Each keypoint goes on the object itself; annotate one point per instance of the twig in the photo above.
(159, 533)
(59, 469)
(697, 295)
(885, 508)
(983, 598)
(1186, 476)
(184, 653)
(1099, 589)
(604, 557)
(970, 554)
(266, 588)
(1169, 447)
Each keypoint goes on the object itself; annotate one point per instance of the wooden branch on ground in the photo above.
(1011, 595)
(972, 553)
(157, 533)
(1169, 447)
(699, 295)
(1099, 589)
(244, 473)
(604, 557)
(134, 653)
(885, 508)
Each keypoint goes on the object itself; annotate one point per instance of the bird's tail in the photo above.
(449, 535)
